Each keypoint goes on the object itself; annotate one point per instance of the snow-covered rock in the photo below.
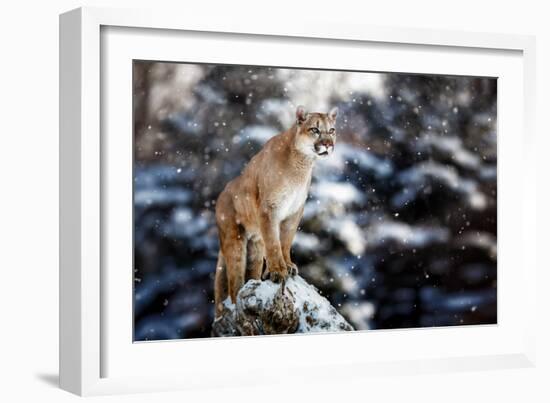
(264, 307)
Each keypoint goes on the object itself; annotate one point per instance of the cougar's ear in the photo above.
(333, 113)
(301, 114)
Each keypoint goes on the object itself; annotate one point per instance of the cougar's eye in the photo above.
(315, 131)
(331, 131)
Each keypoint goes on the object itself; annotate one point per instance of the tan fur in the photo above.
(258, 213)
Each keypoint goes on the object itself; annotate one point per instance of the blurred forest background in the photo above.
(399, 228)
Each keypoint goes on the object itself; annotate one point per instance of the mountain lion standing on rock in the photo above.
(258, 212)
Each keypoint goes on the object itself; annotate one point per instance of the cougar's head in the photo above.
(316, 132)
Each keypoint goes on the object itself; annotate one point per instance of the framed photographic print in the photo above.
(227, 191)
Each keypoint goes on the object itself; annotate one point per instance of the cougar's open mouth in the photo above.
(323, 150)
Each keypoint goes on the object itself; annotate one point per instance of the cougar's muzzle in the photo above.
(324, 147)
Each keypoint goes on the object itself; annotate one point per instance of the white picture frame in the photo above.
(97, 357)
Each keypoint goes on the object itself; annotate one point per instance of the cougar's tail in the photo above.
(220, 285)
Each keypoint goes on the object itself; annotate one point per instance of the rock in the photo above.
(264, 307)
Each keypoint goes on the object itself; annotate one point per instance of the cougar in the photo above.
(257, 214)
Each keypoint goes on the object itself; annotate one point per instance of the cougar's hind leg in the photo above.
(220, 285)
(255, 258)
(233, 244)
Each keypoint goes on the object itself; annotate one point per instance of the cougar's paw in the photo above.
(292, 269)
(276, 270)
(274, 276)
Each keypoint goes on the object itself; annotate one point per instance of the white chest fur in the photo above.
(291, 199)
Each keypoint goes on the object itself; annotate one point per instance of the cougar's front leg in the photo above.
(288, 230)
(276, 266)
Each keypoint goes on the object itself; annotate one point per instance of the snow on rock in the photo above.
(264, 307)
